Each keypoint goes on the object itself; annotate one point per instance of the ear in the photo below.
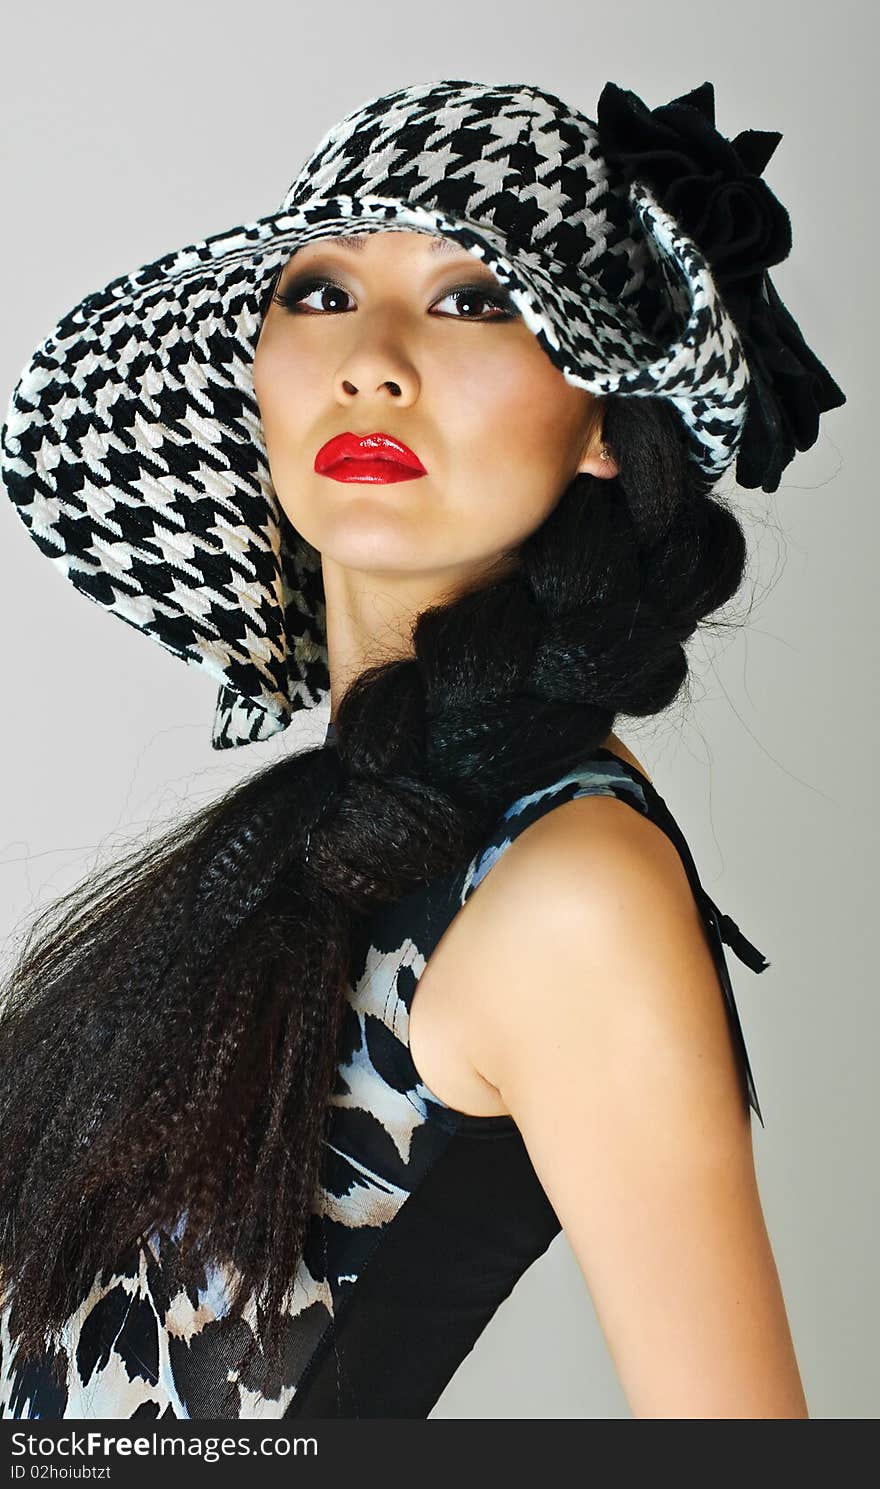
(597, 459)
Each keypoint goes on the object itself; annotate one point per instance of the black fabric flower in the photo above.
(712, 186)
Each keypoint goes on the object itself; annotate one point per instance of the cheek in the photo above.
(521, 400)
(550, 418)
(519, 423)
(285, 387)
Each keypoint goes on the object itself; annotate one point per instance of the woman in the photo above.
(435, 443)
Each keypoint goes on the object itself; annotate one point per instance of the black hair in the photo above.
(170, 1030)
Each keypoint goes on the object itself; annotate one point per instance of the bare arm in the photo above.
(602, 1024)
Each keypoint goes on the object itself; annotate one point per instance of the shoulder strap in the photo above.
(604, 773)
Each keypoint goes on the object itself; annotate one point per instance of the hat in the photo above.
(133, 448)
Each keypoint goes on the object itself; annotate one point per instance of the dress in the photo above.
(427, 1217)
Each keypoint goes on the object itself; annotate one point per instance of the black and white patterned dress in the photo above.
(427, 1217)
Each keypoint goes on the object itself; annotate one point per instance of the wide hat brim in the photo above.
(133, 448)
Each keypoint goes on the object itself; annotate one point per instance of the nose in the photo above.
(377, 367)
(393, 387)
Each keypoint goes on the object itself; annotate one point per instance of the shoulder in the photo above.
(595, 857)
(586, 937)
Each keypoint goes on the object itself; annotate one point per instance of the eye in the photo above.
(295, 295)
(469, 295)
(329, 297)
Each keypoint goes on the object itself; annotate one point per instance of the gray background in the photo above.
(131, 130)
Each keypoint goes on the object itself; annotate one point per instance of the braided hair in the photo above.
(168, 1037)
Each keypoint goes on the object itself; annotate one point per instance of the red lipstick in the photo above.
(368, 457)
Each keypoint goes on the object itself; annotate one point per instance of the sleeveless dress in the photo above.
(426, 1217)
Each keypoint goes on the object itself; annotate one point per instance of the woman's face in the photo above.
(408, 335)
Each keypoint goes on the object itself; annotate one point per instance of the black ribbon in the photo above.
(733, 937)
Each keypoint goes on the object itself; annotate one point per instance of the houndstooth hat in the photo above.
(133, 449)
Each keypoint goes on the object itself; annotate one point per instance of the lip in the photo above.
(373, 458)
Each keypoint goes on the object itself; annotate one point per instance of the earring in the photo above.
(604, 453)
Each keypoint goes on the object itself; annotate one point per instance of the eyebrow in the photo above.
(357, 242)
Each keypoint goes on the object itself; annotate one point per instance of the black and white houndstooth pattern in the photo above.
(132, 446)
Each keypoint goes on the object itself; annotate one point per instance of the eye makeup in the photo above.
(299, 289)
